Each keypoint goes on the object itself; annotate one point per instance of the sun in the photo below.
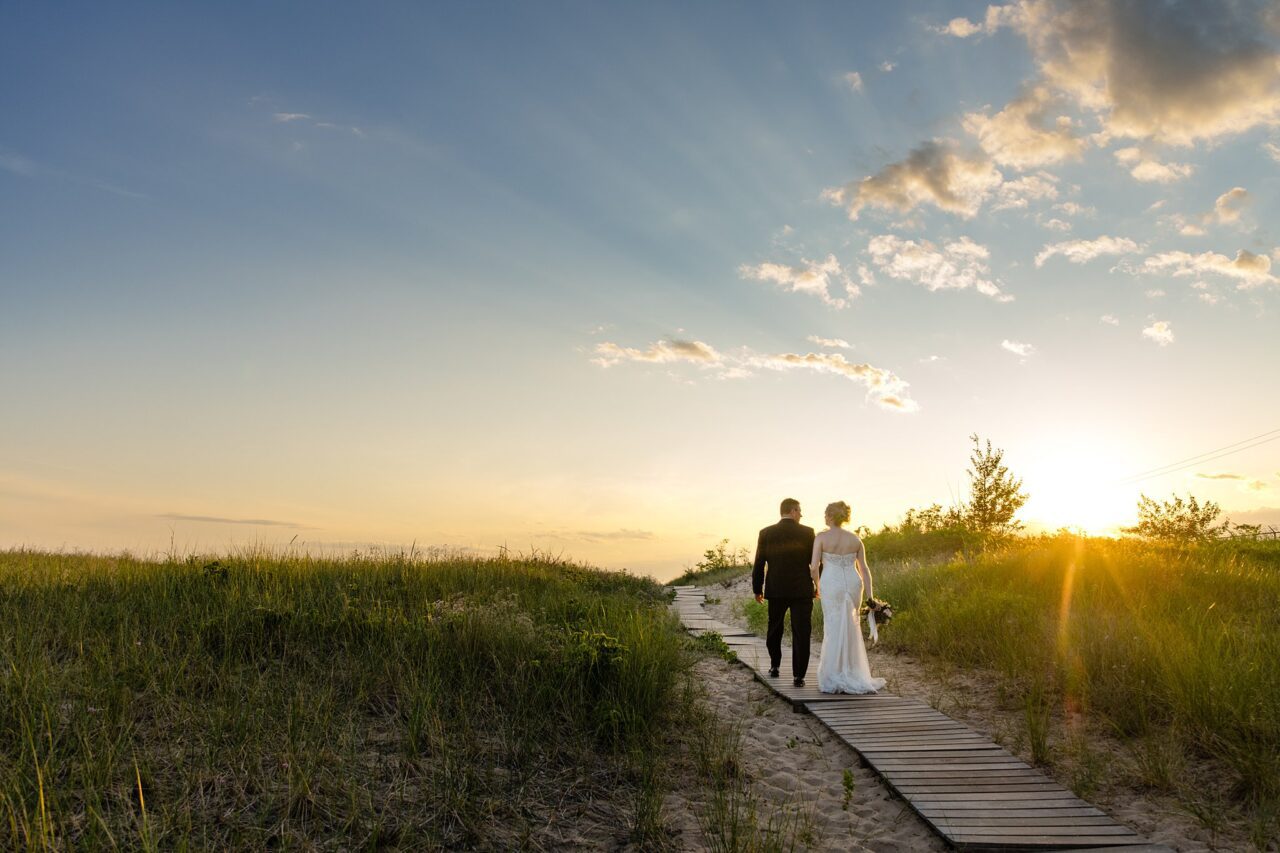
(1072, 483)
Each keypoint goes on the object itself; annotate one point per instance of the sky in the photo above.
(609, 281)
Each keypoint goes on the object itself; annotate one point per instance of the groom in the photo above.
(786, 548)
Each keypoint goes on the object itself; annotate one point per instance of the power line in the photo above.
(1209, 456)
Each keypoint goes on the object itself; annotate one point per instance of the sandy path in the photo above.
(968, 696)
(794, 761)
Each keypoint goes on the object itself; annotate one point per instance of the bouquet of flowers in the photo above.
(877, 610)
(882, 609)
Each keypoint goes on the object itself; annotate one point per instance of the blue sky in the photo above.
(571, 276)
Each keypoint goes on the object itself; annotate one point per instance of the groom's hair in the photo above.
(788, 504)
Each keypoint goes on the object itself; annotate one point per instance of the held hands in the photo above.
(759, 598)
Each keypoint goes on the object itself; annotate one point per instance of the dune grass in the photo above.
(380, 702)
(1175, 649)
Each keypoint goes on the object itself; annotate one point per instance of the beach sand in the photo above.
(796, 763)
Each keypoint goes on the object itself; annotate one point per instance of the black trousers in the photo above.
(801, 627)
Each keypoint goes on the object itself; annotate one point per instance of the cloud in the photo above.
(18, 165)
(1160, 331)
(961, 28)
(613, 535)
(934, 173)
(1229, 205)
(1156, 293)
(1109, 320)
(1071, 208)
(830, 343)
(1176, 73)
(854, 80)
(287, 117)
(662, 352)
(883, 387)
(1082, 251)
(1248, 269)
(814, 278)
(1248, 484)
(1148, 169)
(958, 265)
(888, 66)
(1272, 150)
(1056, 225)
(1017, 193)
(1018, 348)
(1022, 136)
(217, 519)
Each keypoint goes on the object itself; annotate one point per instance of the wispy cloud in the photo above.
(958, 265)
(1017, 194)
(883, 387)
(28, 168)
(1229, 206)
(661, 352)
(830, 343)
(1146, 168)
(1030, 131)
(1159, 331)
(623, 534)
(1248, 484)
(813, 277)
(854, 81)
(218, 519)
(935, 173)
(1018, 348)
(1109, 320)
(1247, 268)
(1082, 251)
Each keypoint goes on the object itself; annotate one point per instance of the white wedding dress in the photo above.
(843, 667)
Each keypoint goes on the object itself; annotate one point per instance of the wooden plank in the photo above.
(1036, 838)
(968, 773)
(891, 767)
(904, 726)
(935, 736)
(1050, 829)
(941, 736)
(911, 790)
(996, 814)
(960, 751)
(1012, 796)
(1044, 820)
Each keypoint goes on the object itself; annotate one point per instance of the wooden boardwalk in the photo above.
(972, 792)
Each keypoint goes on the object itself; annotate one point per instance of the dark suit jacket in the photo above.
(787, 548)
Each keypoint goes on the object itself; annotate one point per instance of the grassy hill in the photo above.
(369, 702)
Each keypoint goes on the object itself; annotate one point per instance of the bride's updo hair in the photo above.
(838, 513)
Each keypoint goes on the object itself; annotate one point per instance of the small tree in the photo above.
(995, 495)
(1177, 520)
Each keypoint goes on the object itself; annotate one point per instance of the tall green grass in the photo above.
(376, 702)
(1163, 643)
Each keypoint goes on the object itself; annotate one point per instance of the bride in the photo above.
(845, 584)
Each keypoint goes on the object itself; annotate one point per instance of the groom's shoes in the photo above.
(799, 682)
(773, 672)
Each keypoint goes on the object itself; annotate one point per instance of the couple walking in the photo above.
(831, 567)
